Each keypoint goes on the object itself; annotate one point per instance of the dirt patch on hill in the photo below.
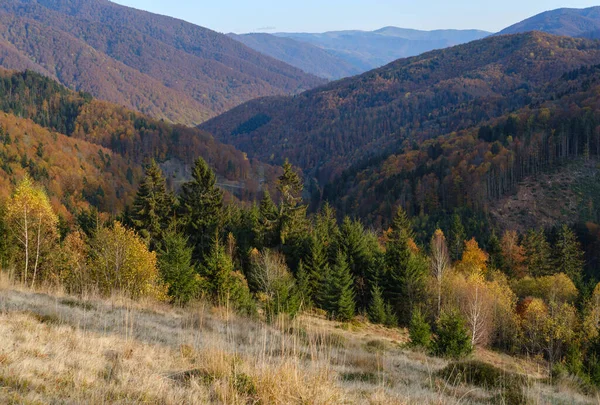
(563, 196)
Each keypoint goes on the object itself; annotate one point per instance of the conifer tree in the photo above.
(405, 273)
(377, 312)
(457, 237)
(327, 230)
(340, 300)
(223, 283)
(419, 330)
(397, 249)
(292, 211)
(494, 249)
(318, 272)
(201, 202)
(568, 255)
(304, 287)
(391, 319)
(268, 221)
(538, 257)
(176, 269)
(452, 336)
(153, 208)
(352, 241)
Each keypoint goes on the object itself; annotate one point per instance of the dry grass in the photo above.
(60, 349)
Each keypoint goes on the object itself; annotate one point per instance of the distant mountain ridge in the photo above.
(158, 65)
(564, 21)
(338, 54)
(305, 56)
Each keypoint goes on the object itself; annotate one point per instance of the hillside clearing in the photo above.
(59, 349)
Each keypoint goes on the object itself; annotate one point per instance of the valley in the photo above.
(342, 216)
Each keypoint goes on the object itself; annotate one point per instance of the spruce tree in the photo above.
(153, 208)
(303, 286)
(225, 285)
(317, 269)
(340, 300)
(377, 312)
(456, 238)
(494, 249)
(419, 330)
(292, 211)
(568, 255)
(452, 336)
(353, 242)
(175, 264)
(413, 285)
(398, 255)
(268, 221)
(538, 256)
(327, 230)
(201, 202)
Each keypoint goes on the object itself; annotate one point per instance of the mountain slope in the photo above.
(112, 142)
(326, 130)
(366, 50)
(305, 56)
(534, 167)
(155, 64)
(565, 21)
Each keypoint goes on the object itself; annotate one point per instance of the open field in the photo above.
(60, 349)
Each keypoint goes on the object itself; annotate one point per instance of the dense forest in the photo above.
(528, 294)
(135, 138)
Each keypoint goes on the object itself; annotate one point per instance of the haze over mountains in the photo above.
(339, 54)
(155, 64)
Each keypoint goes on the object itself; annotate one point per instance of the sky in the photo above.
(241, 16)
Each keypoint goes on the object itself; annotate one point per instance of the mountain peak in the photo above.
(563, 21)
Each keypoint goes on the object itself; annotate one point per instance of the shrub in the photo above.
(120, 261)
(489, 377)
(452, 337)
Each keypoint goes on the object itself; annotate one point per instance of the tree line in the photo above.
(524, 295)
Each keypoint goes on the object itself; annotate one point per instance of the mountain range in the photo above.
(564, 21)
(157, 65)
(376, 134)
(338, 54)
(365, 127)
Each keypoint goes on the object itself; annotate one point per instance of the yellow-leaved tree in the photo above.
(474, 259)
(34, 226)
(121, 262)
(591, 320)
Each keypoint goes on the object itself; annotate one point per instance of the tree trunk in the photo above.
(37, 253)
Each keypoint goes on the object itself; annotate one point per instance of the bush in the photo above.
(419, 330)
(452, 338)
(271, 278)
(120, 261)
(486, 376)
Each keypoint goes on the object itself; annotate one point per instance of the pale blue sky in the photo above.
(241, 16)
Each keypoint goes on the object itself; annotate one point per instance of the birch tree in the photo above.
(440, 263)
(34, 226)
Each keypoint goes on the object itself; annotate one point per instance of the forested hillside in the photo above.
(44, 122)
(157, 65)
(326, 130)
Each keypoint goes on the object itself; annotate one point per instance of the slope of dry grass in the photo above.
(60, 349)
